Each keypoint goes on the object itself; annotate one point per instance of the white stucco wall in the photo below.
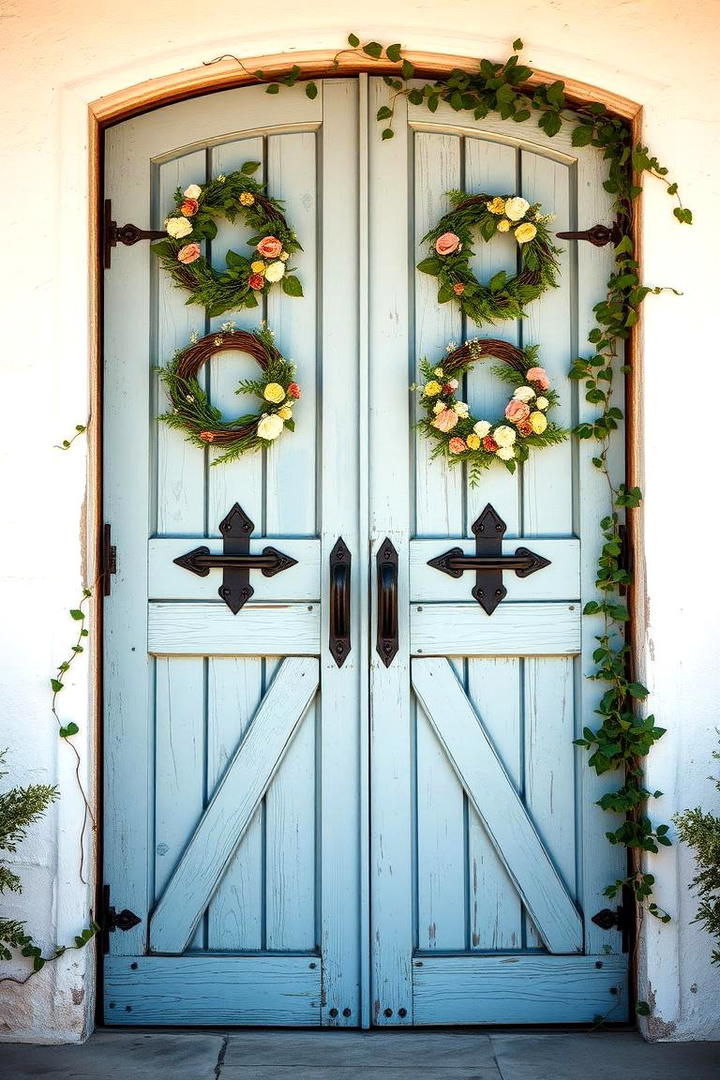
(57, 57)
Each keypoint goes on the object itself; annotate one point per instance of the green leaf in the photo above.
(68, 730)
(250, 167)
(430, 266)
(582, 135)
(56, 685)
(517, 44)
(550, 122)
(292, 286)
(311, 90)
(683, 215)
(353, 41)
(383, 113)
(374, 49)
(393, 53)
(556, 94)
(637, 690)
(415, 97)
(273, 88)
(433, 102)
(388, 133)
(407, 69)
(77, 614)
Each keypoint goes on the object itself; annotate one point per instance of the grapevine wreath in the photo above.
(459, 436)
(504, 296)
(192, 222)
(192, 412)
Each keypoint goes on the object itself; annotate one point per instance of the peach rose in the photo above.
(517, 411)
(256, 281)
(457, 445)
(525, 428)
(189, 253)
(293, 390)
(539, 376)
(459, 288)
(269, 247)
(446, 420)
(447, 243)
(189, 207)
(490, 444)
(206, 436)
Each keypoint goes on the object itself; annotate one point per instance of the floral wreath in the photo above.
(193, 221)
(192, 412)
(462, 437)
(451, 241)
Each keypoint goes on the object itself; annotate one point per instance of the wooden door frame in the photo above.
(228, 74)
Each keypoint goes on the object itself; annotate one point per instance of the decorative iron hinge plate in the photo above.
(109, 559)
(114, 234)
(112, 920)
(598, 235)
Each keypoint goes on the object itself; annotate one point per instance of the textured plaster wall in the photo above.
(55, 58)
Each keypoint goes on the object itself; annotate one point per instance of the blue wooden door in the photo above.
(305, 843)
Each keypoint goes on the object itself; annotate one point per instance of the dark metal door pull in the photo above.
(387, 601)
(488, 562)
(236, 562)
(340, 564)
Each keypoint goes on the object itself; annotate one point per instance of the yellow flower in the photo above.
(538, 422)
(504, 225)
(525, 232)
(473, 442)
(257, 267)
(497, 206)
(274, 392)
(432, 389)
(285, 413)
(247, 198)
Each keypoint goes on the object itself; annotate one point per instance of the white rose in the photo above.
(505, 453)
(438, 372)
(275, 271)
(482, 428)
(516, 208)
(284, 255)
(193, 192)
(270, 427)
(177, 227)
(453, 383)
(524, 393)
(461, 409)
(504, 435)
(542, 403)
(438, 407)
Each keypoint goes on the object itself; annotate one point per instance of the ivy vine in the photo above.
(623, 737)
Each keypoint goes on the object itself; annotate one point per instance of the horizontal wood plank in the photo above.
(233, 804)
(512, 630)
(558, 581)
(168, 581)
(204, 629)
(516, 989)
(213, 990)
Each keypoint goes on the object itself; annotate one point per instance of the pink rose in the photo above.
(490, 444)
(457, 445)
(294, 390)
(517, 411)
(446, 420)
(189, 207)
(525, 428)
(189, 253)
(459, 288)
(256, 281)
(447, 243)
(269, 247)
(538, 375)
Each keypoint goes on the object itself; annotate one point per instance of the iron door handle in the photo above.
(340, 566)
(387, 602)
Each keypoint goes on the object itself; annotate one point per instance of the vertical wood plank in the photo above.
(492, 167)
(552, 323)
(179, 763)
(390, 733)
(241, 480)
(235, 913)
(439, 490)
(495, 909)
(180, 465)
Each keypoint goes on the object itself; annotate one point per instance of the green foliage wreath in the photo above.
(451, 240)
(192, 222)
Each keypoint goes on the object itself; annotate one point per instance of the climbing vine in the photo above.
(623, 737)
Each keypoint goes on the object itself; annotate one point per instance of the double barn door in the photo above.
(408, 837)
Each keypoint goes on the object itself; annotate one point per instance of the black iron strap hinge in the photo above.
(112, 920)
(599, 235)
(108, 559)
(114, 234)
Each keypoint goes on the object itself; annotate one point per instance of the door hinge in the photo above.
(619, 919)
(112, 920)
(599, 235)
(109, 559)
(114, 234)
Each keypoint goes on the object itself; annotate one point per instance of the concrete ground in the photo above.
(348, 1055)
